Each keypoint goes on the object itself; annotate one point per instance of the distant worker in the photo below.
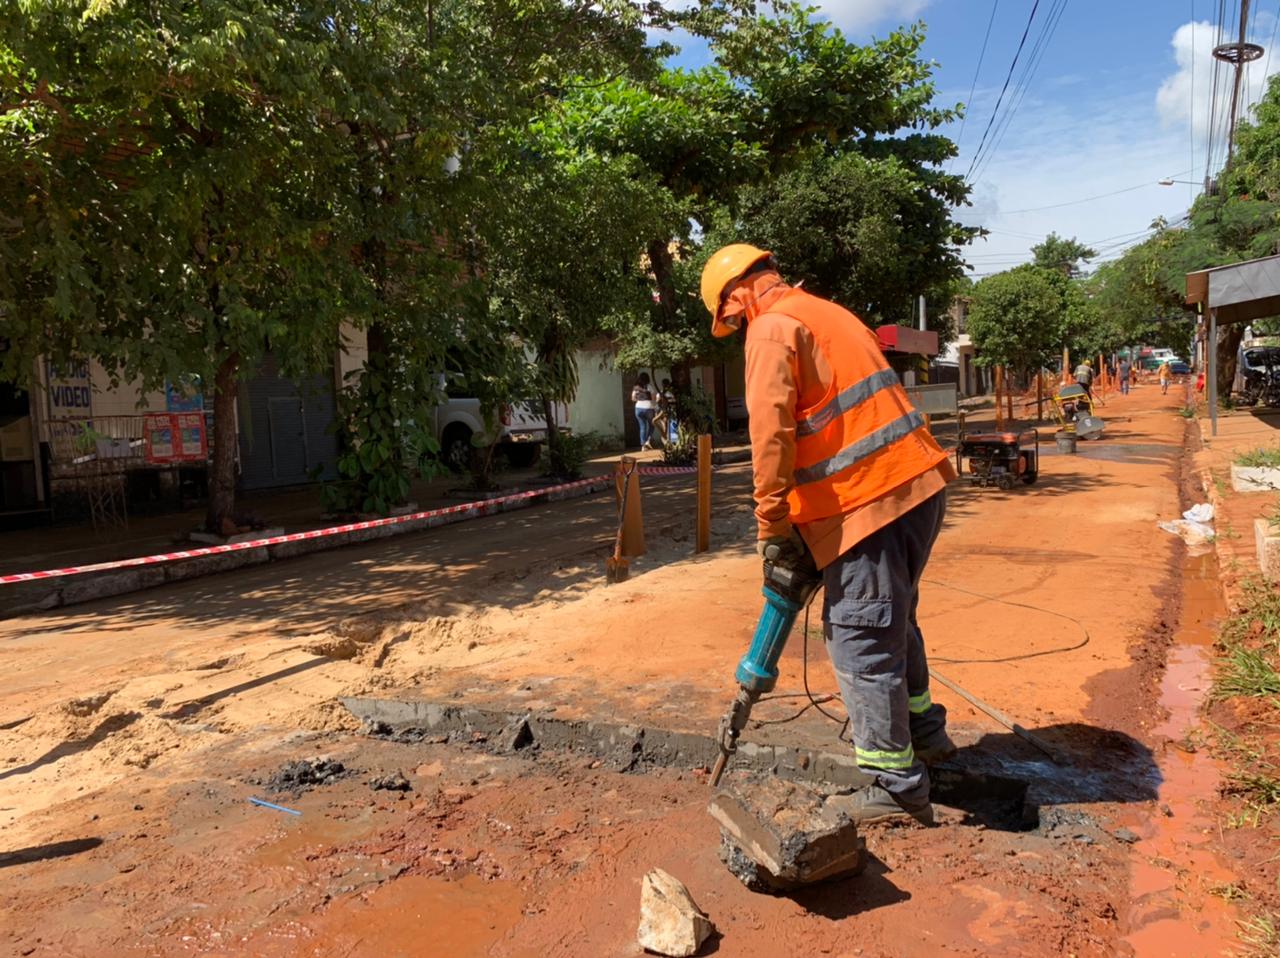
(849, 481)
(646, 400)
(1125, 371)
(1166, 376)
(1084, 376)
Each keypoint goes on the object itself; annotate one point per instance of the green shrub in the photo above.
(571, 450)
(1264, 456)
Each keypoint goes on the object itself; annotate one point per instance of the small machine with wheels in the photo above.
(1074, 409)
(1000, 458)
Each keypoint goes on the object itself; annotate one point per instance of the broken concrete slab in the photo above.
(777, 835)
(1266, 536)
(671, 923)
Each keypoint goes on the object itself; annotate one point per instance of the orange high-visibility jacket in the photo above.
(862, 439)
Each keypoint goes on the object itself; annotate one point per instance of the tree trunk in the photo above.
(1229, 337)
(553, 433)
(661, 263)
(222, 479)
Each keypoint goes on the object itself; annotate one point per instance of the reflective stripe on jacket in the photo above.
(862, 439)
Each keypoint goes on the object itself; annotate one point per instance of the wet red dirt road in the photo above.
(134, 732)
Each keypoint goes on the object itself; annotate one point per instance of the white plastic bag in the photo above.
(1191, 532)
(1203, 512)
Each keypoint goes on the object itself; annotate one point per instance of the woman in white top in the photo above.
(645, 397)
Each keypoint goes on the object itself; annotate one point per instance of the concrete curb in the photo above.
(44, 594)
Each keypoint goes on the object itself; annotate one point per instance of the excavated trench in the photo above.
(987, 799)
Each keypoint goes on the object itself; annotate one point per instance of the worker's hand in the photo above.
(786, 550)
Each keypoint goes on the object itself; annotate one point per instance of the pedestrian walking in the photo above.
(1125, 371)
(1166, 376)
(848, 481)
(645, 397)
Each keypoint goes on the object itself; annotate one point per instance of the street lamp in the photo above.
(1170, 182)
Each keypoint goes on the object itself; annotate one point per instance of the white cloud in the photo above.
(858, 15)
(1187, 94)
(1066, 149)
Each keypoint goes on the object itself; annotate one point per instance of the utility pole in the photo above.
(1237, 54)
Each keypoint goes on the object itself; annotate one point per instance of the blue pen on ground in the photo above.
(272, 805)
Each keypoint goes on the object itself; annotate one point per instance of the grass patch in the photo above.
(1246, 672)
(1265, 457)
(1262, 933)
(1187, 412)
(1229, 891)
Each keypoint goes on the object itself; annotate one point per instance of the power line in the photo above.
(1191, 107)
(974, 85)
(1000, 99)
(1038, 51)
(1087, 199)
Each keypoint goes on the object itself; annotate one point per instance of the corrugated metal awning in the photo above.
(1240, 292)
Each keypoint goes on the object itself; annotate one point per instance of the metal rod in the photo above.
(702, 533)
(1022, 733)
(1211, 389)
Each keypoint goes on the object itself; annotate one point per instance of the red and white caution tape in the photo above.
(481, 508)
(665, 470)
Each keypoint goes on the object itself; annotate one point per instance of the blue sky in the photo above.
(1109, 108)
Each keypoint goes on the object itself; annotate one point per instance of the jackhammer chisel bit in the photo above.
(787, 589)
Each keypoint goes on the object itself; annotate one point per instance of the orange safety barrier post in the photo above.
(702, 538)
(630, 516)
(999, 397)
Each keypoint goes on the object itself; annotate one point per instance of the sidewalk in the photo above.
(1239, 431)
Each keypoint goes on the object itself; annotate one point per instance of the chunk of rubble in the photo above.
(298, 777)
(396, 782)
(777, 835)
(670, 921)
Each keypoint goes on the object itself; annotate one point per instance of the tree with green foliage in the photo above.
(784, 90)
(561, 256)
(1020, 318)
(171, 196)
(250, 175)
(1062, 255)
(870, 234)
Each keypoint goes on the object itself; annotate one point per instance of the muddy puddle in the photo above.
(1177, 879)
(415, 915)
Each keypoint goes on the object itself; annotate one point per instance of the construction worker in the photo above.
(848, 479)
(1084, 376)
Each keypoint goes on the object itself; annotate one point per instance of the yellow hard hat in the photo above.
(726, 265)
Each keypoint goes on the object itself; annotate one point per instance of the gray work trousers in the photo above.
(869, 612)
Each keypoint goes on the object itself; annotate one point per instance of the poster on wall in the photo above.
(191, 437)
(70, 395)
(175, 437)
(184, 396)
(70, 391)
(158, 433)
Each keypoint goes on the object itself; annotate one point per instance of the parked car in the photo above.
(460, 427)
(1180, 368)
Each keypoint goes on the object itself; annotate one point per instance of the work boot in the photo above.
(874, 803)
(938, 749)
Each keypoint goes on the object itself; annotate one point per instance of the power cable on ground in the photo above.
(816, 702)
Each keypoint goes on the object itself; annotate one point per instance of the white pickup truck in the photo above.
(460, 425)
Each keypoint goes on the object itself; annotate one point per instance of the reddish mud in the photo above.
(1179, 872)
(1051, 602)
